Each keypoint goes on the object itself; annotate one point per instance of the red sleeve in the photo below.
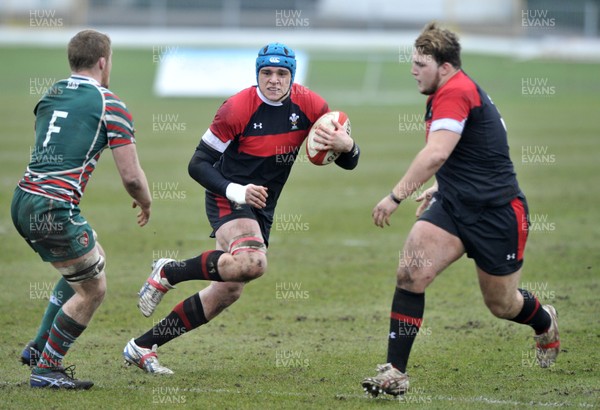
(312, 104)
(455, 101)
(233, 115)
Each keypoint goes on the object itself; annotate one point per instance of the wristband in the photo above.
(395, 198)
(236, 193)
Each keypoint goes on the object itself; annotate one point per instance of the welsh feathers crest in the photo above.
(294, 119)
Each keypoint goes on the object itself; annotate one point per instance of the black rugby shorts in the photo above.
(220, 210)
(494, 237)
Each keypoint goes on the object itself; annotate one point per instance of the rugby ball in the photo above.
(316, 154)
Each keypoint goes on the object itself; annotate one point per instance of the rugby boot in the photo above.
(154, 288)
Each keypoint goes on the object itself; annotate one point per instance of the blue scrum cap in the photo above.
(276, 55)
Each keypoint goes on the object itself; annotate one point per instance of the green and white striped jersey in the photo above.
(76, 120)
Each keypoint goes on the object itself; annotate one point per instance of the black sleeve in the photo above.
(202, 169)
(349, 160)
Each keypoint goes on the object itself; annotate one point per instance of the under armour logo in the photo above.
(392, 335)
(510, 256)
(259, 125)
(431, 202)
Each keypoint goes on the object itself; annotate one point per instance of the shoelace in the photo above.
(67, 371)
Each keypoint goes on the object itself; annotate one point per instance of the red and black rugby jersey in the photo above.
(261, 139)
(479, 171)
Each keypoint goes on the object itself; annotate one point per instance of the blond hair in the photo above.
(441, 44)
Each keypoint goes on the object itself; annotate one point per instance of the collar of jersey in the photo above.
(85, 78)
(457, 74)
(267, 101)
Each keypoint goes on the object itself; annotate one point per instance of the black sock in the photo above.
(202, 267)
(405, 322)
(187, 315)
(532, 313)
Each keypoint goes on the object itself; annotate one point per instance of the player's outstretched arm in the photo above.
(134, 180)
(440, 145)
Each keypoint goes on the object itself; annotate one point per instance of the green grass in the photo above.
(341, 264)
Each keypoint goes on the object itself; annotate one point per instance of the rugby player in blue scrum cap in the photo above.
(243, 161)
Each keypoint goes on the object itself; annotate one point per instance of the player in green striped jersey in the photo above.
(76, 119)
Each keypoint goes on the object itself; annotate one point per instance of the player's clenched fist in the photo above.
(256, 196)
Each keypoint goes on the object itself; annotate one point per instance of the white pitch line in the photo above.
(408, 398)
(420, 398)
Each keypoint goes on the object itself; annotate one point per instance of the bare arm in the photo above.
(134, 180)
(440, 145)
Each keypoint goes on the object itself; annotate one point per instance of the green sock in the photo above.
(63, 333)
(61, 293)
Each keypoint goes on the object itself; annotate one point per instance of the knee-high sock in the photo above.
(61, 293)
(63, 333)
(532, 313)
(405, 321)
(187, 315)
(201, 267)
